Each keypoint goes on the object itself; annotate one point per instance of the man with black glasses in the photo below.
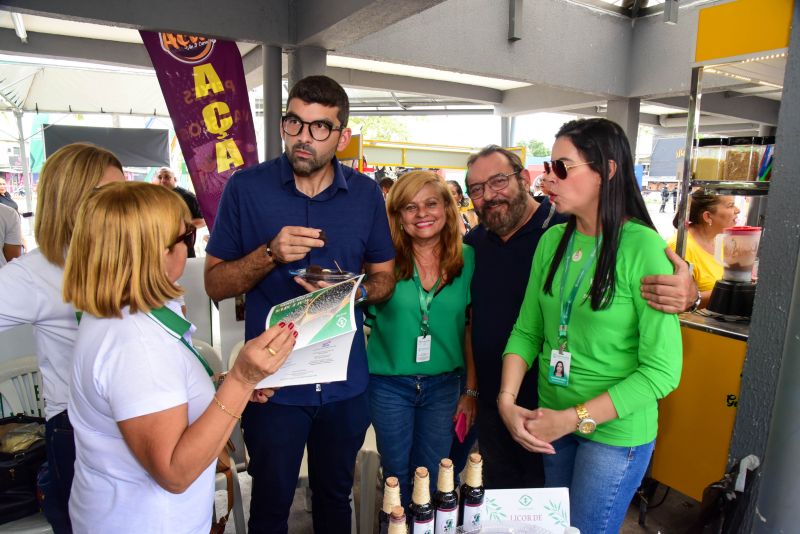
(303, 209)
(511, 225)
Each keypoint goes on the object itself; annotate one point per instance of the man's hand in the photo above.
(670, 293)
(311, 286)
(293, 243)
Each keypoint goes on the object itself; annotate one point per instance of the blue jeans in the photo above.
(275, 435)
(60, 447)
(413, 420)
(602, 480)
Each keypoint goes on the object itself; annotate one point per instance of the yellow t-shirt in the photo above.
(707, 270)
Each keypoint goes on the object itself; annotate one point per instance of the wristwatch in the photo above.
(471, 393)
(696, 303)
(362, 294)
(586, 425)
(269, 252)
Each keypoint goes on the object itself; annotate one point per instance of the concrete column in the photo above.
(625, 112)
(766, 420)
(272, 87)
(306, 61)
(505, 131)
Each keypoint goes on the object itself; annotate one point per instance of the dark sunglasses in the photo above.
(560, 169)
(187, 237)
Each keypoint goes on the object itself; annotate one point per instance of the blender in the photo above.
(737, 249)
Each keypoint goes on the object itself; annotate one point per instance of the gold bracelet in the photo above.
(224, 409)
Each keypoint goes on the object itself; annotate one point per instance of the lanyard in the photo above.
(566, 305)
(425, 299)
(176, 326)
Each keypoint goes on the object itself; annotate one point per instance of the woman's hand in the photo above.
(262, 356)
(516, 418)
(469, 407)
(261, 396)
(550, 425)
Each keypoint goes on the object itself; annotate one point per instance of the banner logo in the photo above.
(189, 49)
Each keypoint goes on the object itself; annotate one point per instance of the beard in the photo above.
(307, 166)
(502, 223)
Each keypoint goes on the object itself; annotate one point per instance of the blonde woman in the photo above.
(148, 423)
(32, 295)
(419, 344)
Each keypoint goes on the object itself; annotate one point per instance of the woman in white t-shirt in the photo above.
(31, 295)
(148, 424)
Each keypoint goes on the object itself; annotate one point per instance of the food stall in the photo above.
(696, 421)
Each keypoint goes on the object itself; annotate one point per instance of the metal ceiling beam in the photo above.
(45, 45)
(239, 20)
(539, 98)
(746, 108)
(407, 84)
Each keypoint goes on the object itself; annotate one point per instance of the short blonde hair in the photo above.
(116, 258)
(403, 192)
(67, 178)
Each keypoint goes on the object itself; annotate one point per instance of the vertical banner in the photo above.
(203, 84)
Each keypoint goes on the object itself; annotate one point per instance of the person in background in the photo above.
(5, 196)
(10, 234)
(303, 208)
(512, 223)
(468, 218)
(709, 215)
(167, 179)
(420, 341)
(149, 425)
(386, 185)
(32, 295)
(596, 425)
(674, 195)
(664, 198)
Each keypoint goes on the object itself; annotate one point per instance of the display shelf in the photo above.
(733, 188)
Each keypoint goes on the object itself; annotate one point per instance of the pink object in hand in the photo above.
(461, 427)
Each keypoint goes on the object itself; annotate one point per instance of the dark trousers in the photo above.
(275, 435)
(506, 463)
(60, 447)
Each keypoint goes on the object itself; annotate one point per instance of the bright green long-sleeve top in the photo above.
(629, 349)
(395, 324)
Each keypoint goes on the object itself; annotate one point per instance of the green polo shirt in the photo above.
(396, 324)
(629, 349)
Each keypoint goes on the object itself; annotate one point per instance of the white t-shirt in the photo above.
(10, 233)
(32, 295)
(126, 368)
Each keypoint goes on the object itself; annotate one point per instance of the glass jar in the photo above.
(742, 159)
(709, 158)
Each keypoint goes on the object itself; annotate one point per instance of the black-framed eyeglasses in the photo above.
(187, 238)
(496, 183)
(320, 130)
(560, 169)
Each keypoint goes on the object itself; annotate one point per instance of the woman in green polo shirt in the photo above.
(605, 356)
(419, 342)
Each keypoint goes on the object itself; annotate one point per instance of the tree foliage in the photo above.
(379, 127)
(534, 147)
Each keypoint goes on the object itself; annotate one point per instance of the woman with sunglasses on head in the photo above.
(32, 295)
(583, 308)
(420, 344)
(148, 424)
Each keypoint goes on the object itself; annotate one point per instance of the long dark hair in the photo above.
(601, 141)
(699, 203)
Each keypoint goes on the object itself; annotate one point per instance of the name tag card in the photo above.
(547, 508)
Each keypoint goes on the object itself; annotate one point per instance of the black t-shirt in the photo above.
(498, 287)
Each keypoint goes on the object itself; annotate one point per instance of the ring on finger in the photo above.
(272, 351)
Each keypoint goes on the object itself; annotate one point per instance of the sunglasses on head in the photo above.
(187, 238)
(560, 169)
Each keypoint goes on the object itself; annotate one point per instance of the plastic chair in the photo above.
(32, 524)
(369, 462)
(210, 354)
(21, 387)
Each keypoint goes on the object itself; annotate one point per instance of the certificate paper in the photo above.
(325, 320)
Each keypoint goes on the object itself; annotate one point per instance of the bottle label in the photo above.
(446, 521)
(423, 527)
(472, 515)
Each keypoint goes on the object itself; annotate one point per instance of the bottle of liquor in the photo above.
(420, 511)
(445, 500)
(397, 521)
(471, 500)
(391, 498)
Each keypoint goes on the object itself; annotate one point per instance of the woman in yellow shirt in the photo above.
(709, 215)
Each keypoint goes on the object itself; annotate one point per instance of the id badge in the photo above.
(559, 368)
(424, 349)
